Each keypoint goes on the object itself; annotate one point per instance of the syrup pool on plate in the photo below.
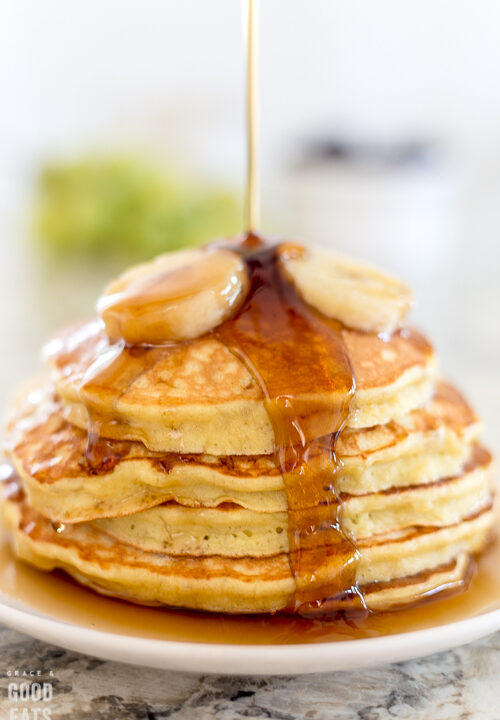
(56, 595)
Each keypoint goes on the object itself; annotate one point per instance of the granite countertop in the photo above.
(456, 685)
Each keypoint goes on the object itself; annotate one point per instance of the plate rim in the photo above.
(245, 659)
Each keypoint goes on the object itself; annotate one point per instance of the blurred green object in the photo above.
(104, 207)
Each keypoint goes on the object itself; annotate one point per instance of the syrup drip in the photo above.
(102, 387)
(301, 364)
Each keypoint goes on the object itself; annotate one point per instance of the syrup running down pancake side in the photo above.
(299, 360)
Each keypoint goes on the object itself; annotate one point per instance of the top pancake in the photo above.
(198, 397)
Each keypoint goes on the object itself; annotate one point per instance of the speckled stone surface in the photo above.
(456, 685)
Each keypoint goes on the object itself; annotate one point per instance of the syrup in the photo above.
(252, 188)
(302, 366)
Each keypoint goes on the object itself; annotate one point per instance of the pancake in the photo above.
(50, 455)
(198, 397)
(232, 531)
(238, 585)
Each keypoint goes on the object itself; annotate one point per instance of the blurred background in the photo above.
(122, 135)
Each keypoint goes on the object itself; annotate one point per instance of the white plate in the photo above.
(246, 659)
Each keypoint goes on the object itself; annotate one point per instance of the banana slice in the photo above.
(178, 296)
(358, 295)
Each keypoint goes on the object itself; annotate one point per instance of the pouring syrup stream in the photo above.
(252, 205)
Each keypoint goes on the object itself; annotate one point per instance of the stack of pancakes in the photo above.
(170, 492)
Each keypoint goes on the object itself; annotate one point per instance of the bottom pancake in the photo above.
(394, 571)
